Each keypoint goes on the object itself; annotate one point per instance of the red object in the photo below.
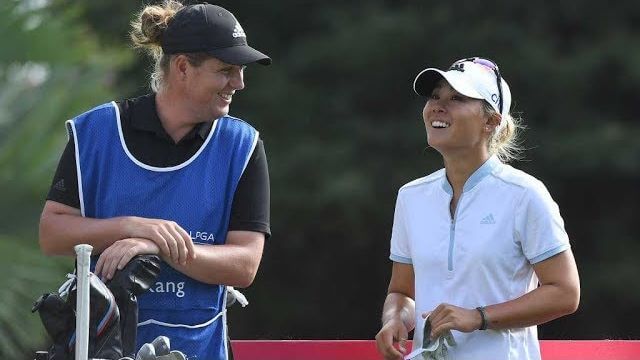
(366, 350)
(590, 350)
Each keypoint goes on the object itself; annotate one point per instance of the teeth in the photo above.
(226, 96)
(439, 124)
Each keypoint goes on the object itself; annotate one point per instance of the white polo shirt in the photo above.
(504, 222)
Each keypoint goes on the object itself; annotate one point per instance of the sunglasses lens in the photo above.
(493, 66)
(488, 63)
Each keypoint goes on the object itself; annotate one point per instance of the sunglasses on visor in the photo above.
(489, 64)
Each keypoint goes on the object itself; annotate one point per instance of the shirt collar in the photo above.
(145, 117)
(485, 169)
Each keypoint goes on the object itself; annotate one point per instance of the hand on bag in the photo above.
(116, 256)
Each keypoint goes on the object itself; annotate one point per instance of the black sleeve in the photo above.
(64, 187)
(251, 203)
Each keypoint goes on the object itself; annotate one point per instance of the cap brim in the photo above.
(240, 55)
(427, 79)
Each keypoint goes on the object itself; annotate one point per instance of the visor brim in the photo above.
(427, 79)
(240, 55)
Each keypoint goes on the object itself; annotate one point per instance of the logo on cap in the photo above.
(238, 32)
(457, 67)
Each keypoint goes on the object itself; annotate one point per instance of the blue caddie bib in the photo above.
(196, 194)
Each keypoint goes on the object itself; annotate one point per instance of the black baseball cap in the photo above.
(213, 30)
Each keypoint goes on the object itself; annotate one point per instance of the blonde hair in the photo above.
(146, 34)
(504, 141)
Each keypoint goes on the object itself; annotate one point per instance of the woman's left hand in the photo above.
(116, 256)
(449, 317)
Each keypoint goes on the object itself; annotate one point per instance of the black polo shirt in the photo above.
(149, 143)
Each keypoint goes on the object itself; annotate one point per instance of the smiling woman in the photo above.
(143, 175)
(471, 242)
(198, 93)
(476, 85)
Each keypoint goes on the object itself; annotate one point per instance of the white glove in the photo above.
(432, 349)
(234, 295)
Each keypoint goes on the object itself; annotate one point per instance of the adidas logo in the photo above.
(238, 32)
(488, 220)
(60, 185)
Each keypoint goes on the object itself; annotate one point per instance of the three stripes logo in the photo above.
(488, 220)
(60, 186)
(238, 31)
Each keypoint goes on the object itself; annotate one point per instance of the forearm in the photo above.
(59, 233)
(557, 295)
(234, 263)
(541, 305)
(399, 306)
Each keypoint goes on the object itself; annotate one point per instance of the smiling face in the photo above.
(209, 88)
(456, 124)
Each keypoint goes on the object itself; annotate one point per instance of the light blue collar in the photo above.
(485, 169)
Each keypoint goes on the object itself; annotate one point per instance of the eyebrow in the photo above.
(231, 67)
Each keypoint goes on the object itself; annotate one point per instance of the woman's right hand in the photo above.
(392, 332)
(172, 240)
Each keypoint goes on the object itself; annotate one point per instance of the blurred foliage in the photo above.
(50, 69)
(343, 132)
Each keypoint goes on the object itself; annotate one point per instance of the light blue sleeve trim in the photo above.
(549, 253)
(400, 259)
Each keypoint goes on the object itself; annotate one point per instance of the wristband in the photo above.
(483, 315)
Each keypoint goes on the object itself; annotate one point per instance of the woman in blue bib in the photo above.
(171, 173)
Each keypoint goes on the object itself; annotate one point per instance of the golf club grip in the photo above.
(83, 260)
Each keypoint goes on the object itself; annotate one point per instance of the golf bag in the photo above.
(113, 314)
(57, 312)
(134, 279)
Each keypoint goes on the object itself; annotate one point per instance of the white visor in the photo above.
(470, 77)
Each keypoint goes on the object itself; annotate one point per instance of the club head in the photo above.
(146, 352)
(42, 355)
(173, 355)
(161, 345)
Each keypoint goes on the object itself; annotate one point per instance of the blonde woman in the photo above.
(479, 248)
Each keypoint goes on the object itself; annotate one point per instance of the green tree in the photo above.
(50, 69)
